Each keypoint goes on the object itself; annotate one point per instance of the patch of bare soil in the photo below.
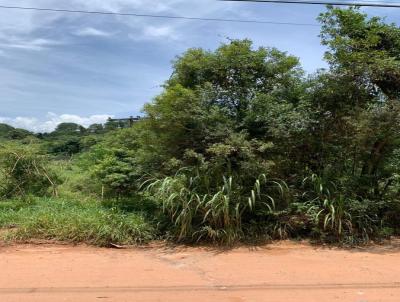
(284, 271)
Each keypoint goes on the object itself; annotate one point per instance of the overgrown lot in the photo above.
(241, 145)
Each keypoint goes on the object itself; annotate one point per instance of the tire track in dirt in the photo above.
(251, 287)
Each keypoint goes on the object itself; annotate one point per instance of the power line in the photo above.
(55, 10)
(376, 4)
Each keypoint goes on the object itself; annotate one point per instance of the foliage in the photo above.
(8, 132)
(201, 209)
(23, 171)
(241, 144)
(73, 222)
(367, 48)
(117, 173)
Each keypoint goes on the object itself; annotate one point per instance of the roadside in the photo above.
(283, 271)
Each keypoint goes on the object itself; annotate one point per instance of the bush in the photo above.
(23, 171)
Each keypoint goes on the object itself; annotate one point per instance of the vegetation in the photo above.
(241, 145)
(72, 222)
(23, 171)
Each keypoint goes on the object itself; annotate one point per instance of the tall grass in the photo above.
(191, 208)
(196, 215)
(199, 211)
(337, 216)
(73, 222)
(24, 171)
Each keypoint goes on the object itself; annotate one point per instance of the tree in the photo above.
(366, 48)
(69, 128)
(9, 132)
(235, 73)
(96, 128)
(365, 52)
(212, 96)
(68, 146)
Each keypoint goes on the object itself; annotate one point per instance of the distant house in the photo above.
(119, 123)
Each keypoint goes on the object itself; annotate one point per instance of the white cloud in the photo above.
(155, 33)
(32, 44)
(160, 32)
(92, 32)
(52, 120)
(20, 122)
(32, 24)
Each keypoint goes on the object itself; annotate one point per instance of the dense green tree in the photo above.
(366, 48)
(9, 132)
(213, 95)
(364, 54)
(238, 113)
(68, 128)
(68, 146)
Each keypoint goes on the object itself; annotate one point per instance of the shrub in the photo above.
(23, 171)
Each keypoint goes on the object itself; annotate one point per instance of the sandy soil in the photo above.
(280, 272)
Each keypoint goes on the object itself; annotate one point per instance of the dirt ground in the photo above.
(283, 271)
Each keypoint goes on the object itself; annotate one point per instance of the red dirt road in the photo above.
(285, 271)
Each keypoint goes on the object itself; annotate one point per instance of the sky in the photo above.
(58, 67)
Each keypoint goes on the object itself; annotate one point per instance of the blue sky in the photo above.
(57, 67)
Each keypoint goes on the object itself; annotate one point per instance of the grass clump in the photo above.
(73, 222)
(24, 171)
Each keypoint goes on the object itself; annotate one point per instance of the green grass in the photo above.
(73, 222)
